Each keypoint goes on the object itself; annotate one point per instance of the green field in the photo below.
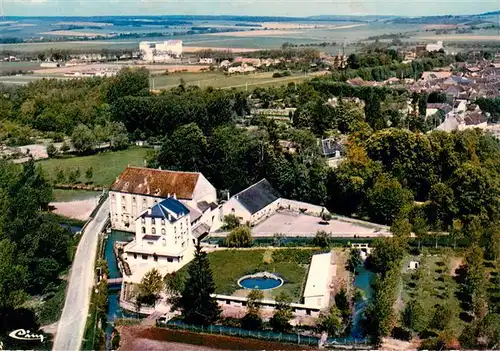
(230, 265)
(106, 165)
(67, 195)
(219, 80)
(434, 284)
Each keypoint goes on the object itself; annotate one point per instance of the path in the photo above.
(74, 316)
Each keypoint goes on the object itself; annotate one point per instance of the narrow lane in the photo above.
(74, 316)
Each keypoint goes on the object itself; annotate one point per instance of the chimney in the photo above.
(168, 195)
(175, 197)
(228, 196)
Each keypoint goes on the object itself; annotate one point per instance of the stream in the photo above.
(114, 309)
(362, 281)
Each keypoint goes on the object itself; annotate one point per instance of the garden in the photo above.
(431, 291)
(289, 264)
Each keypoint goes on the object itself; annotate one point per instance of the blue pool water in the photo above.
(362, 281)
(260, 283)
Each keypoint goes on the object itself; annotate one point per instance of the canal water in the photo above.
(362, 281)
(114, 309)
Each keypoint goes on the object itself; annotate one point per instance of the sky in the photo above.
(245, 7)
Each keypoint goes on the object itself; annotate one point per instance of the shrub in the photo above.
(231, 222)
(51, 150)
(239, 237)
(322, 239)
(294, 255)
(115, 342)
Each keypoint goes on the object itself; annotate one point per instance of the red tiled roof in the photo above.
(156, 182)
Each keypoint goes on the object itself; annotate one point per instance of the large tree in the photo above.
(197, 305)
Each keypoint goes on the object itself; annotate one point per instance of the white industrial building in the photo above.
(161, 51)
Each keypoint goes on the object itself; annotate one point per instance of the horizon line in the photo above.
(252, 16)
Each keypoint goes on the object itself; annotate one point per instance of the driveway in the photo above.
(74, 316)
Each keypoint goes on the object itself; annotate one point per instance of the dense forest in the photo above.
(34, 249)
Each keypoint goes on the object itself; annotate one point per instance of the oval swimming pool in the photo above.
(260, 281)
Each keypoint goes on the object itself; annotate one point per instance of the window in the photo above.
(153, 221)
(163, 221)
(232, 210)
(175, 229)
(135, 256)
(155, 258)
(123, 208)
(123, 198)
(184, 244)
(143, 230)
(153, 230)
(133, 200)
(170, 259)
(144, 257)
(163, 231)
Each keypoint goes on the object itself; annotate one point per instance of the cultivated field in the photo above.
(102, 66)
(254, 33)
(71, 33)
(219, 80)
(193, 49)
(461, 37)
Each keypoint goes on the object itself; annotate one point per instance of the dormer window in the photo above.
(153, 230)
(153, 221)
(163, 221)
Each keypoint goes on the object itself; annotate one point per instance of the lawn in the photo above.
(230, 265)
(219, 80)
(68, 195)
(106, 165)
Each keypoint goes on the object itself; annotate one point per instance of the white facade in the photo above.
(434, 47)
(161, 51)
(129, 197)
(233, 206)
(163, 240)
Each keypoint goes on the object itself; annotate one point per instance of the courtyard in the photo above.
(294, 224)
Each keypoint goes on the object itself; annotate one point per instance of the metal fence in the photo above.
(259, 334)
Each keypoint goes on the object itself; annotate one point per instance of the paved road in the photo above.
(74, 316)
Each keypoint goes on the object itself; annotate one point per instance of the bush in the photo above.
(51, 150)
(251, 321)
(322, 239)
(115, 342)
(294, 255)
(239, 237)
(230, 222)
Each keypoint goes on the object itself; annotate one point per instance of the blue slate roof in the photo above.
(166, 208)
